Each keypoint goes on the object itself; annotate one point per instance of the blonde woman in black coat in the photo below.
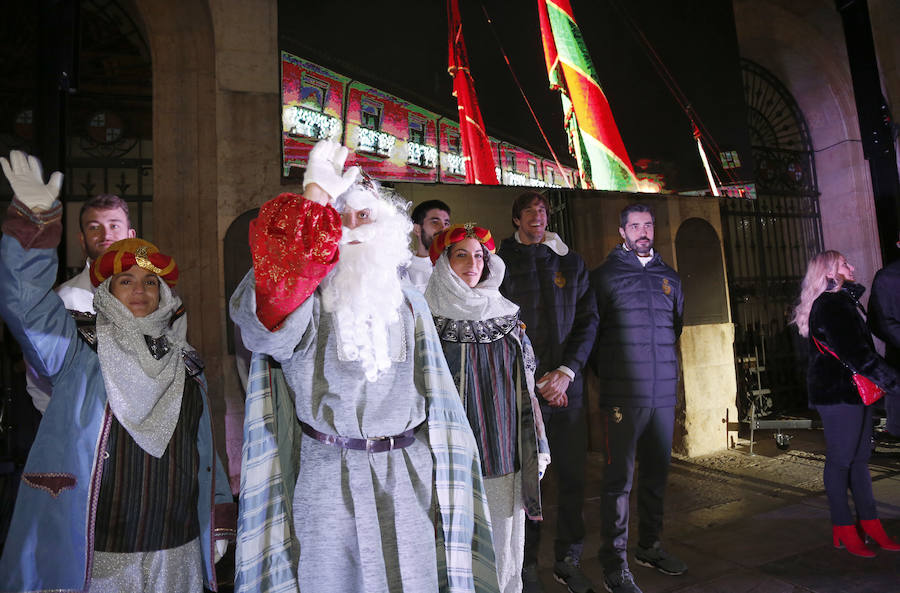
(829, 312)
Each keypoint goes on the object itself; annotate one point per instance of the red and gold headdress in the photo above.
(123, 254)
(455, 234)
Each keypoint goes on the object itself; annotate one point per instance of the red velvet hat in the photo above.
(121, 255)
(455, 234)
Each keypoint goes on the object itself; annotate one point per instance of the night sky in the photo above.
(401, 47)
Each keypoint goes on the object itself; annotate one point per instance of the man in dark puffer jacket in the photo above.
(550, 285)
(640, 304)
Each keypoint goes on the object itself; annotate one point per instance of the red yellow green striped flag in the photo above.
(594, 139)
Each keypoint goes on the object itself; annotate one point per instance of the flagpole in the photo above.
(562, 173)
(709, 175)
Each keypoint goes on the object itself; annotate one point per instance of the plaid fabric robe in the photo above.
(266, 557)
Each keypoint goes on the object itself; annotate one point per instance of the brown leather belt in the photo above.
(372, 445)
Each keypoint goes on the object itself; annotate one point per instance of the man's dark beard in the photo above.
(426, 239)
(633, 246)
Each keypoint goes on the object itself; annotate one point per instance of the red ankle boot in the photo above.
(873, 528)
(846, 536)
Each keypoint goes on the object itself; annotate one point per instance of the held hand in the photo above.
(27, 180)
(553, 386)
(325, 169)
(561, 401)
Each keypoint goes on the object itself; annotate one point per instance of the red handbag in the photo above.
(868, 391)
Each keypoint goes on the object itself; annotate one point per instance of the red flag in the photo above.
(476, 147)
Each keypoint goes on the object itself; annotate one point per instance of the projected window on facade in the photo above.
(313, 92)
(419, 152)
(370, 114)
(388, 137)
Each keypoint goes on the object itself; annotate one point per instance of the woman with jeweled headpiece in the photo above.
(493, 366)
(122, 490)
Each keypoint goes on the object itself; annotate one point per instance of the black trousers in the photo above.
(644, 434)
(848, 447)
(567, 435)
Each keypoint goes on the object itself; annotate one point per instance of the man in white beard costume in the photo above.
(378, 486)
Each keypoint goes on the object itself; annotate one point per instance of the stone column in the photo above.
(707, 392)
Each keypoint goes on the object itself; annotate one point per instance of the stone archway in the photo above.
(185, 176)
(702, 273)
(216, 129)
(706, 398)
(802, 45)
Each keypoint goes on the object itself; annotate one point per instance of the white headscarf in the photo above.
(448, 296)
(144, 393)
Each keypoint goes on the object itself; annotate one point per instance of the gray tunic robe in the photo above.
(364, 522)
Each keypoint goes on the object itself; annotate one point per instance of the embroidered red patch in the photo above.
(52, 483)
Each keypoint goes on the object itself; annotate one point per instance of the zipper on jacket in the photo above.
(649, 287)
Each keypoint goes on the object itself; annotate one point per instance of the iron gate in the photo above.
(768, 242)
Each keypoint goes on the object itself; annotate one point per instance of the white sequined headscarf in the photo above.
(144, 393)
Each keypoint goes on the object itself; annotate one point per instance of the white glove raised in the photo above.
(221, 548)
(325, 168)
(27, 180)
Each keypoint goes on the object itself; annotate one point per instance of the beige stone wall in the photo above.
(248, 155)
(595, 215)
(216, 154)
(490, 207)
(707, 393)
(802, 43)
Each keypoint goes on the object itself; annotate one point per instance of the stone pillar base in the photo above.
(707, 391)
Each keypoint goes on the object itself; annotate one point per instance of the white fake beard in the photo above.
(364, 291)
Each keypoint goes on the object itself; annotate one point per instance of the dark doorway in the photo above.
(699, 253)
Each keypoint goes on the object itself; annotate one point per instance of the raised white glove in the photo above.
(221, 548)
(325, 168)
(27, 180)
(543, 462)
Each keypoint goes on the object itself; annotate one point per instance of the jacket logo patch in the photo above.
(616, 414)
(667, 288)
(52, 483)
(560, 280)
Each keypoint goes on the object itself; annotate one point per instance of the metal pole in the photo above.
(752, 425)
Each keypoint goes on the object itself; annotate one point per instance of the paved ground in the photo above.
(747, 524)
(751, 523)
